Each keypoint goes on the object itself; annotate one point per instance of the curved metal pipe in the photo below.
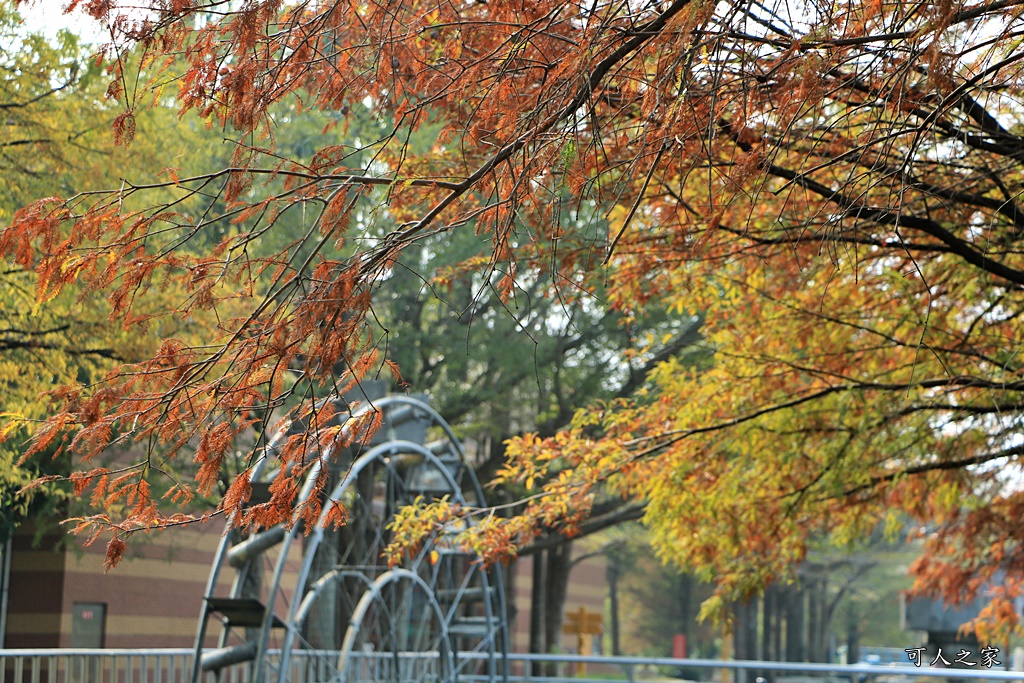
(316, 536)
(374, 591)
(299, 609)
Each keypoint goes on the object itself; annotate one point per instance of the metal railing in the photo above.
(158, 665)
(58, 665)
(545, 668)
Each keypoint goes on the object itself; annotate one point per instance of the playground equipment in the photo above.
(346, 616)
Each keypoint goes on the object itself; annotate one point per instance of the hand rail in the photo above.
(173, 665)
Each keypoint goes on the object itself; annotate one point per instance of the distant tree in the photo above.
(656, 602)
(50, 127)
(54, 138)
(833, 187)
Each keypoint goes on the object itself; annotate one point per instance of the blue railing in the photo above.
(175, 666)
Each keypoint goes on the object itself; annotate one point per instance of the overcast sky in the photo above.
(47, 17)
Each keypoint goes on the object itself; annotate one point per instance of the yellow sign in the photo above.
(582, 623)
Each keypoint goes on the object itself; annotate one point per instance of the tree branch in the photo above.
(940, 466)
(884, 216)
(624, 512)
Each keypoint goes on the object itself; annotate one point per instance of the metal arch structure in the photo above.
(397, 629)
(350, 617)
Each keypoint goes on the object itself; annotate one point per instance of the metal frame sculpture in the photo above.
(350, 617)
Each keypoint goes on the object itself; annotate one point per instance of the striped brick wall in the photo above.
(153, 597)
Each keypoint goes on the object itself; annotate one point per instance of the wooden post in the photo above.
(582, 624)
(726, 649)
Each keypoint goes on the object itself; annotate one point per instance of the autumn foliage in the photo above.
(833, 188)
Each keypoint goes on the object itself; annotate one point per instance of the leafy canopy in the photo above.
(833, 188)
(55, 138)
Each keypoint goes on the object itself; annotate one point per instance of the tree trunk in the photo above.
(779, 597)
(742, 645)
(795, 651)
(767, 624)
(824, 622)
(556, 586)
(745, 638)
(852, 634)
(685, 607)
(612, 573)
(537, 610)
(813, 619)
